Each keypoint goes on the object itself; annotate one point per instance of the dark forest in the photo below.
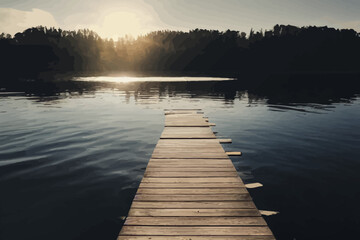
(284, 49)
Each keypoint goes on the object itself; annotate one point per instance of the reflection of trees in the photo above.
(284, 48)
(302, 90)
(282, 51)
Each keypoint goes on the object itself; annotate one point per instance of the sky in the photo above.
(117, 18)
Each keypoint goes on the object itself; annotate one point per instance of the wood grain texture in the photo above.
(254, 237)
(188, 169)
(191, 189)
(196, 221)
(181, 212)
(198, 230)
(191, 185)
(192, 161)
(188, 155)
(187, 132)
(191, 174)
(192, 198)
(215, 205)
(190, 165)
(192, 180)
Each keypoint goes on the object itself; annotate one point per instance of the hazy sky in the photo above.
(113, 18)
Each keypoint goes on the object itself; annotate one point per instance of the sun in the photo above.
(120, 23)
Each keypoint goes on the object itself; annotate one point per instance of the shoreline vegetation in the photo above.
(39, 58)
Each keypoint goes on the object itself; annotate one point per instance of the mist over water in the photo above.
(71, 160)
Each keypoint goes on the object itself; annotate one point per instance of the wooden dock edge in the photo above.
(191, 189)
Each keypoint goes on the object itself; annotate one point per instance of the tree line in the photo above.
(284, 48)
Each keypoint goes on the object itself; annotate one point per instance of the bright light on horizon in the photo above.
(125, 79)
(114, 18)
(115, 24)
(125, 22)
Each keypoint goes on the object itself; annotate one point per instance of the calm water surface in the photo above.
(70, 163)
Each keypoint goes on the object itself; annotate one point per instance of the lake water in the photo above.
(71, 161)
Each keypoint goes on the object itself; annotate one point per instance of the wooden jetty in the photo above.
(191, 190)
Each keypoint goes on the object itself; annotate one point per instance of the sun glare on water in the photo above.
(125, 79)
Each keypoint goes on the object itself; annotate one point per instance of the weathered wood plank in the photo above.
(180, 169)
(185, 120)
(192, 180)
(183, 144)
(234, 153)
(203, 162)
(190, 174)
(187, 135)
(207, 165)
(186, 124)
(197, 150)
(177, 112)
(192, 191)
(188, 149)
(190, 185)
(197, 221)
(192, 160)
(199, 230)
(186, 156)
(187, 129)
(187, 132)
(216, 205)
(192, 198)
(188, 141)
(195, 145)
(182, 109)
(254, 237)
(200, 212)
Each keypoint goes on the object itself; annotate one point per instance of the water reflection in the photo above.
(311, 93)
(125, 79)
(72, 153)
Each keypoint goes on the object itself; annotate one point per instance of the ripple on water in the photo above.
(80, 158)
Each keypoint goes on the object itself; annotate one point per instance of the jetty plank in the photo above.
(195, 221)
(187, 132)
(191, 190)
(175, 212)
(181, 169)
(192, 198)
(197, 230)
(191, 185)
(217, 205)
(152, 237)
(190, 174)
(234, 153)
(193, 180)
